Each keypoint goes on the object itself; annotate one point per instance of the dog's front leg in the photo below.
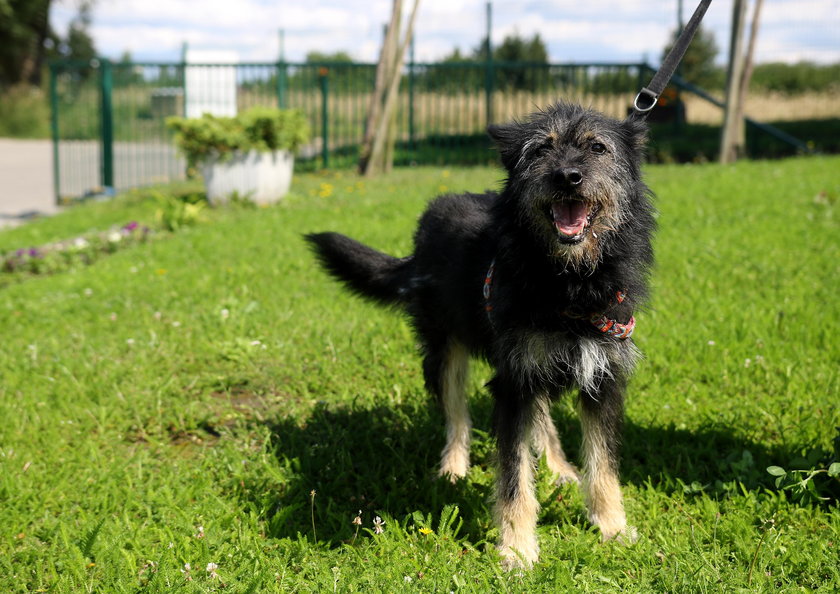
(516, 503)
(602, 416)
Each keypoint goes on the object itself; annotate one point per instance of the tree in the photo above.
(316, 57)
(698, 64)
(24, 27)
(28, 39)
(517, 54)
(518, 49)
(344, 75)
(79, 44)
(526, 53)
(452, 74)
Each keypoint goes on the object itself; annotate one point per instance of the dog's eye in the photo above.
(544, 148)
(598, 148)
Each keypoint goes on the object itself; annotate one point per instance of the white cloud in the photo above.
(595, 30)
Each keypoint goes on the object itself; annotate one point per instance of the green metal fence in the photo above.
(109, 118)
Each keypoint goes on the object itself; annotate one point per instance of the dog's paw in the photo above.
(614, 527)
(516, 559)
(452, 477)
(454, 466)
(568, 476)
(627, 535)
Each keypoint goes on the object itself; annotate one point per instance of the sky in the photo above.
(573, 30)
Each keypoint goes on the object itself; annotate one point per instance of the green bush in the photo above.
(262, 129)
(24, 113)
(801, 77)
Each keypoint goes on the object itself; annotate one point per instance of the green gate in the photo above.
(109, 128)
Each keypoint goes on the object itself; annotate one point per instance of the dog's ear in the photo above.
(507, 138)
(635, 132)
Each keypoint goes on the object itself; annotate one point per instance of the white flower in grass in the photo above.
(378, 525)
(225, 314)
(80, 243)
(186, 572)
(211, 569)
(114, 236)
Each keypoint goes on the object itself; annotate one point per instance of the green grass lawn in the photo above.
(177, 403)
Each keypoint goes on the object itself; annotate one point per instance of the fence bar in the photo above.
(325, 144)
(106, 86)
(490, 70)
(281, 85)
(780, 135)
(54, 130)
(411, 97)
(108, 118)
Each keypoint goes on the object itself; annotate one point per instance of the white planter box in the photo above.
(261, 177)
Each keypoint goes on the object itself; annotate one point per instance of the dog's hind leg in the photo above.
(546, 441)
(516, 506)
(446, 376)
(602, 412)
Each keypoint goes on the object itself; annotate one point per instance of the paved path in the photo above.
(26, 180)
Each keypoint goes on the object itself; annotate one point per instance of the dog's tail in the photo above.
(362, 269)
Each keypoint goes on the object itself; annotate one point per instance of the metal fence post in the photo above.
(325, 149)
(184, 48)
(54, 131)
(281, 84)
(411, 65)
(106, 129)
(281, 70)
(489, 74)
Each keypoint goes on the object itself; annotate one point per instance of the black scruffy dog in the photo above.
(542, 280)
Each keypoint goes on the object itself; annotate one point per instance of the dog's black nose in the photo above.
(568, 175)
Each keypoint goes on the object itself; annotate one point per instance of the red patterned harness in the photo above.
(601, 322)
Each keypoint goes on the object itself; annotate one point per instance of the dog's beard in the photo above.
(574, 226)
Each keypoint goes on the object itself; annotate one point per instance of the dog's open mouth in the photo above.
(571, 219)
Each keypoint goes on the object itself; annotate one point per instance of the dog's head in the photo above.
(573, 177)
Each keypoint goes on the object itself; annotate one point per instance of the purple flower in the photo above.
(131, 226)
(34, 253)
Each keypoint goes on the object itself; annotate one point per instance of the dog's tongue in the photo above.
(569, 217)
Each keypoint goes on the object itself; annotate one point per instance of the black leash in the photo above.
(648, 96)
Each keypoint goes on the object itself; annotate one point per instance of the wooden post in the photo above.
(746, 75)
(730, 147)
(374, 149)
(378, 95)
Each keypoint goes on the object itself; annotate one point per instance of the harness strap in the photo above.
(600, 321)
(609, 326)
(649, 95)
(488, 281)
